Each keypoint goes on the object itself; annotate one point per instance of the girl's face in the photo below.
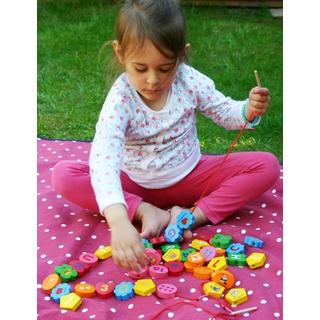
(151, 73)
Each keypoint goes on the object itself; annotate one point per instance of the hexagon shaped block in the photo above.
(256, 260)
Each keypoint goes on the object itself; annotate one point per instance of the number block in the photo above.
(213, 289)
(158, 271)
(172, 255)
(253, 242)
(59, 291)
(221, 241)
(202, 272)
(172, 233)
(66, 272)
(256, 260)
(224, 278)
(85, 290)
(239, 260)
(236, 248)
(50, 282)
(175, 268)
(89, 258)
(70, 301)
(218, 263)
(236, 296)
(138, 275)
(208, 253)
(185, 220)
(124, 290)
(105, 290)
(166, 290)
(104, 252)
(144, 287)
(185, 253)
(153, 255)
(79, 266)
(198, 244)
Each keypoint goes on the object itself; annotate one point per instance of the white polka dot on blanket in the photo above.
(193, 290)
(238, 283)
(92, 316)
(218, 230)
(182, 280)
(64, 311)
(113, 310)
(279, 239)
(130, 306)
(279, 295)
(170, 314)
(279, 272)
(277, 314)
(263, 301)
(94, 236)
(84, 310)
(243, 231)
(50, 262)
(141, 316)
(263, 205)
(267, 265)
(43, 256)
(250, 292)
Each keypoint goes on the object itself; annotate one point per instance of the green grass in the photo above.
(227, 45)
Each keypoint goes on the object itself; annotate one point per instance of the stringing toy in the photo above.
(50, 282)
(256, 260)
(188, 266)
(166, 247)
(224, 278)
(166, 290)
(196, 258)
(147, 243)
(105, 290)
(153, 255)
(124, 290)
(208, 253)
(253, 242)
(138, 275)
(85, 290)
(79, 266)
(89, 258)
(236, 248)
(218, 263)
(173, 233)
(175, 268)
(185, 220)
(220, 252)
(104, 252)
(202, 272)
(198, 244)
(235, 259)
(60, 290)
(70, 301)
(144, 287)
(221, 241)
(172, 255)
(184, 253)
(66, 273)
(158, 240)
(158, 271)
(213, 289)
(236, 296)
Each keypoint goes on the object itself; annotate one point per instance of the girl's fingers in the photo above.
(259, 98)
(132, 261)
(139, 254)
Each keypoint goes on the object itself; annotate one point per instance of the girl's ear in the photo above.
(186, 49)
(117, 49)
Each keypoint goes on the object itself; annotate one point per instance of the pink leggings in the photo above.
(243, 177)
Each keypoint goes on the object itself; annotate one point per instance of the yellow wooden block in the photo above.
(172, 255)
(144, 287)
(256, 260)
(104, 252)
(198, 244)
(213, 289)
(218, 263)
(236, 296)
(70, 301)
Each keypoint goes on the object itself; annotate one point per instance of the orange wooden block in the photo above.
(224, 278)
(85, 290)
(202, 272)
(196, 258)
(188, 266)
(50, 282)
(220, 252)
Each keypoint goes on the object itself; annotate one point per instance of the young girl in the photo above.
(145, 161)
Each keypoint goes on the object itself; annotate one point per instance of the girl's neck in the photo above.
(158, 104)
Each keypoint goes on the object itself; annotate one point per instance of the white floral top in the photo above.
(155, 148)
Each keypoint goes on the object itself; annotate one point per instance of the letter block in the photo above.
(198, 244)
(256, 260)
(253, 242)
(213, 289)
(239, 260)
(208, 253)
(158, 272)
(221, 241)
(236, 248)
(218, 263)
(105, 290)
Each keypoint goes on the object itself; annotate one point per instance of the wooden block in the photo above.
(105, 290)
(172, 255)
(89, 258)
(185, 253)
(104, 252)
(221, 241)
(236, 296)
(208, 253)
(70, 301)
(124, 290)
(185, 220)
(166, 247)
(220, 252)
(153, 256)
(158, 240)
(198, 244)
(239, 260)
(188, 266)
(66, 273)
(196, 258)
(85, 290)
(79, 266)
(224, 278)
(166, 290)
(173, 233)
(218, 263)
(59, 291)
(144, 287)
(253, 242)
(158, 271)
(202, 272)
(50, 282)
(147, 243)
(235, 248)
(175, 268)
(256, 260)
(139, 275)
(213, 289)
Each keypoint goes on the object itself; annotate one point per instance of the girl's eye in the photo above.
(141, 70)
(165, 70)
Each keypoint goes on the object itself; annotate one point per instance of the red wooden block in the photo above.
(158, 240)
(140, 275)
(79, 266)
(89, 258)
(153, 256)
(175, 268)
(105, 289)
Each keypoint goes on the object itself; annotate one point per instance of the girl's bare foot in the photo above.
(153, 220)
(198, 214)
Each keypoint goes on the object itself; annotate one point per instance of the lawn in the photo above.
(227, 45)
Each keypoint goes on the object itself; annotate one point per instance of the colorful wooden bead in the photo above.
(104, 253)
(202, 272)
(124, 290)
(256, 260)
(139, 275)
(235, 248)
(158, 271)
(146, 243)
(175, 268)
(166, 290)
(158, 240)
(144, 287)
(172, 255)
(79, 266)
(236, 296)
(70, 301)
(221, 241)
(185, 253)
(105, 290)
(185, 220)
(208, 253)
(198, 244)
(85, 290)
(172, 233)
(60, 290)
(213, 289)
(50, 282)
(66, 272)
(153, 256)
(253, 242)
(220, 252)
(196, 258)
(89, 258)
(239, 260)
(224, 278)
(218, 263)
(188, 266)
(166, 247)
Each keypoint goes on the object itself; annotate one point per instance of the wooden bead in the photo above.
(104, 252)
(166, 290)
(175, 268)
(236, 296)
(208, 253)
(153, 256)
(89, 258)
(50, 282)
(202, 272)
(60, 290)
(105, 290)
(158, 271)
(196, 258)
(213, 289)
(172, 255)
(85, 290)
(256, 260)
(144, 287)
(70, 301)
(79, 266)
(224, 278)
(66, 272)
(138, 275)
(124, 290)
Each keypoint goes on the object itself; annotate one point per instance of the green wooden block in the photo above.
(166, 247)
(66, 273)
(237, 259)
(184, 253)
(221, 241)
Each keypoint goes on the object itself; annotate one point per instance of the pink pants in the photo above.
(243, 177)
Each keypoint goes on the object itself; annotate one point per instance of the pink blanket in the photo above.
(65, 231)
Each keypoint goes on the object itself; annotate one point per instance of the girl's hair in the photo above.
(160, 21)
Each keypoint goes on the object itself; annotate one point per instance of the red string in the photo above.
(219, 166)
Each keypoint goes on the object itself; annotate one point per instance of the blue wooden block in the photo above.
(124, 290)
(235, 248)
(253, 242)
(185, 220)
(60, 290)
(173, 233)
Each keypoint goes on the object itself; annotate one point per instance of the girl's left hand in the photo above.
(259, 99)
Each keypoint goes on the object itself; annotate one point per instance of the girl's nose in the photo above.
(152, 78)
